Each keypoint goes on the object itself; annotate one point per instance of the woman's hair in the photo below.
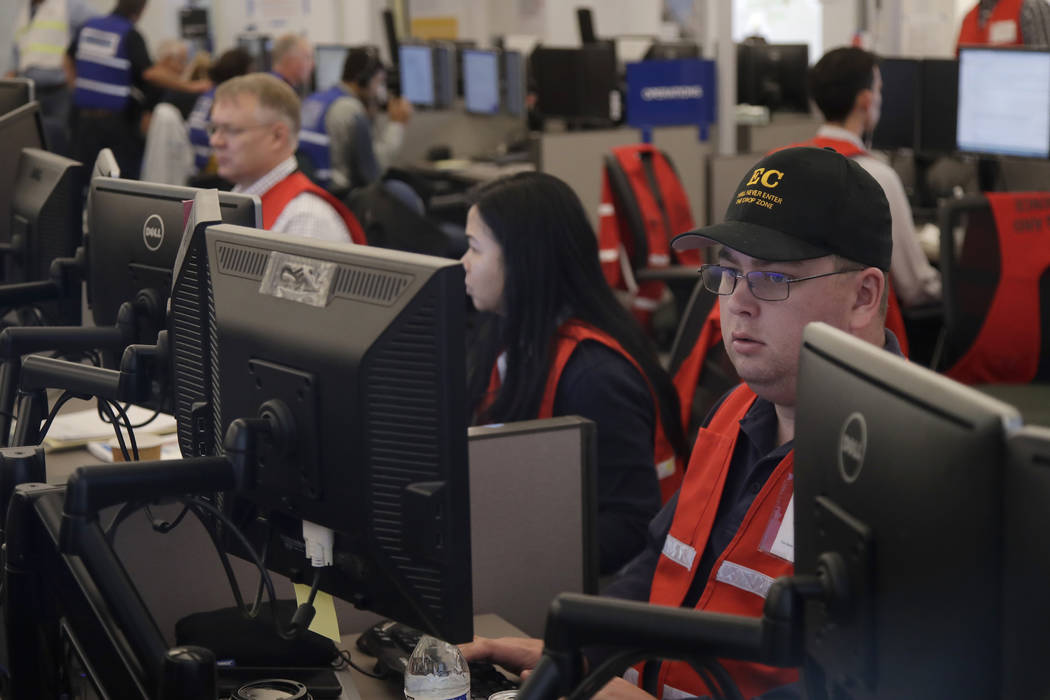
(551, 274)
(230, 64)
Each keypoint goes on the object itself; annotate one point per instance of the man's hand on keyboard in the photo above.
(515, 654)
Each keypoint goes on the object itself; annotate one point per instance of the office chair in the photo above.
(643, 207)
(997, 297)
(699, 366)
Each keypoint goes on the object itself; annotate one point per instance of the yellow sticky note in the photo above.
(324, 622)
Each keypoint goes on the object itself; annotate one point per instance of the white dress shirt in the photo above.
(914, 280)
(307, 215)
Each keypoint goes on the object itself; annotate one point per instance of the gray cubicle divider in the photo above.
(533, 531)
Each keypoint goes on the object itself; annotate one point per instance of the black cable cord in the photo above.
(107, 406)
(727, 687)
(215, 512)
(344, 654)
(714, 675)
(62, 400)
(123, 411)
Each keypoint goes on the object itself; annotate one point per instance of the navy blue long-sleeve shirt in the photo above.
(602, 385)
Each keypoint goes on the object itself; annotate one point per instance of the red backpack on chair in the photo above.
(643, 207)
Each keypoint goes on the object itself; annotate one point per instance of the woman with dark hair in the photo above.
(553, 340)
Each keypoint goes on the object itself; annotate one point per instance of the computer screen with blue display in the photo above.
(1004, 101)
(481, 81)
(417, 74)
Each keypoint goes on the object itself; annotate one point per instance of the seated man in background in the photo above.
(292, 60)
(342, 138)
(229, 65)
(847, 87)
(254, 130)
(806, 239)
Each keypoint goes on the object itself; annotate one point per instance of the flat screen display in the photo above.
(1004, 102)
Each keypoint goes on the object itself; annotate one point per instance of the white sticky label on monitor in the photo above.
(784, 544)
(1002, 32)
(298, 279)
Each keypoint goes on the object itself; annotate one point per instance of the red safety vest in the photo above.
(971, 33)
(569, 335)
(278, 197)
(660, 225)
(1008, 344)
(743, 573)
(687, 375)
(894, 317)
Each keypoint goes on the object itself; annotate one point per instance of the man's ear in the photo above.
(864, 100)
(870, 287)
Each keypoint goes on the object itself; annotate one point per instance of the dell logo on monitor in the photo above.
(153, 232)
(853, 443)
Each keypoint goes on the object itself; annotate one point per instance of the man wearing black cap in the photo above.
(806, 238)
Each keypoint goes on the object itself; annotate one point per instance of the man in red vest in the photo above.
(847, 87)
(253, 132)
(806, 238)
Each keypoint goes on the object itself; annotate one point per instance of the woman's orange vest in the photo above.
(971, 33)
(278, 197)
(744, 572)
(568, 336)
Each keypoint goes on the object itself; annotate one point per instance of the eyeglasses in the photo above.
(227, 131)
(768, 286)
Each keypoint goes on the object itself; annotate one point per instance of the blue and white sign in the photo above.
(671, 93)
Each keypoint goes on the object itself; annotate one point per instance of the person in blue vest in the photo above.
(292, 60)
(108, 65)
(340, 134)
(229, 65)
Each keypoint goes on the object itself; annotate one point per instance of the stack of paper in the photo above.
(77, 428)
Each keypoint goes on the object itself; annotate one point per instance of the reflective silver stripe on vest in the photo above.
(607, 256)
(105, 88)
(102, 60)
(659, 259)
(679, 552)
(606, 209)
(314, 137)
(744, 578)
(672, 693)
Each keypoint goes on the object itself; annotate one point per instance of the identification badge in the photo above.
(779, 536)
(1002, 32)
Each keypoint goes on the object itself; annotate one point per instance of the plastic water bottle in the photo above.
(437, 671)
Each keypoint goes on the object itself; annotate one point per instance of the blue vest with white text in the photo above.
(196, 124)
(102, 64)
(313, 138)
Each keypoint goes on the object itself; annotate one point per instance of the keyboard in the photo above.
(392, 643)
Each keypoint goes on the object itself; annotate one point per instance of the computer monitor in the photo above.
(356, 354)
(133, 234)
(481, 83)
(514, 83)
(20, 128)
(939, 104)
(447, 76)
(47, 217)
(14, 93)
(898, 125)
(899, 497)
(328, 65)
(575, 84)
(773, 75)
(416, 65)
(1004, 101)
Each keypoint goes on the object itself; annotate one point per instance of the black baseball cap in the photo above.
(801, 203)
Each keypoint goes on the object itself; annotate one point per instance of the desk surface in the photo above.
(357, 686)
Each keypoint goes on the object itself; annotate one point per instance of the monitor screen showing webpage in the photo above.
(1004, 102)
